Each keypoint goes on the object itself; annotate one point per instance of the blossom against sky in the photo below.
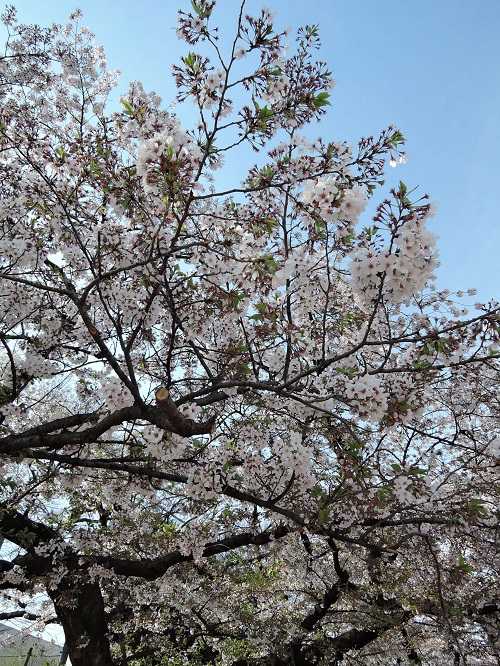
(364, 396)
(431, 68)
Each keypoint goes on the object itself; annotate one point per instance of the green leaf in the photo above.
(370, 231)
(476, 506)
(396, 139)
(127, 107)
(235, 298)
(321, 100)
(265, 113)
(190, 59)
(463, 564)
(397, 468)
(383, 493)
(348, 370)
(419, 363)
(266, 173)
(312, 30)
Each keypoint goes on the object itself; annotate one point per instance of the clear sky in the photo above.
(431, 67)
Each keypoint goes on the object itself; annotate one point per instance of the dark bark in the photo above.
(355, 639)
(330, 598)
(169, 419)
(78, 603)
(413, 655)
(80, 610)
(149, 569)
(311, 653)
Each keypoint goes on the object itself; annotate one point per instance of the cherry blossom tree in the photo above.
(238, 427)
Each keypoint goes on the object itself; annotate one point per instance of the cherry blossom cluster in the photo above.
(367, 393)
(165, 160)
(295, 456)
(397, 271)
(333, 203)
(114, 394)
(231, 413)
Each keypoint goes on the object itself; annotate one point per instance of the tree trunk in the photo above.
(64, 655)
(80, 609)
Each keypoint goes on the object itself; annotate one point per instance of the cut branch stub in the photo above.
(162, 396)
(178, 423)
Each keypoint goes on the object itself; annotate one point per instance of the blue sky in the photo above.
(431, 67)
